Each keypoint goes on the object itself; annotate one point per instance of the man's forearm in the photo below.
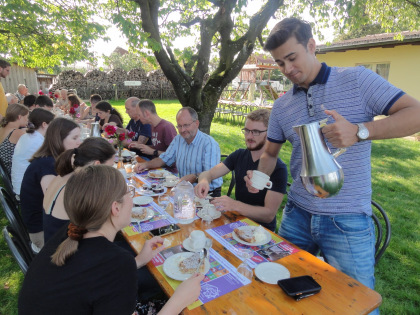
(155, 163)
(205, 176)
(402, 123)
(267, 163)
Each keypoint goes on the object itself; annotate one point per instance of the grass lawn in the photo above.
(395, 173)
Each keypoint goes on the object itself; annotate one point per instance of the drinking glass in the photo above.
(206, 218)
(244, 269)
(129, 170)
(163, 201)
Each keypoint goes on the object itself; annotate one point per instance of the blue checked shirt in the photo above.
(200, 155)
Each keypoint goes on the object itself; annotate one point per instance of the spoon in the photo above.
(203, 256)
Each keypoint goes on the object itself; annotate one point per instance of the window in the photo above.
(380, 68)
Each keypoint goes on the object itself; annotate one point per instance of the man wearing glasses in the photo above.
(263, 206)
(192, 150)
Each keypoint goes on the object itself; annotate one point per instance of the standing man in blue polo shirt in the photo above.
(340, 226)
(192, 150)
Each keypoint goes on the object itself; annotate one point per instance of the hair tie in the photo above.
(76, 232)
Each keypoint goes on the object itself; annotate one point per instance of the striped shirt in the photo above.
(200, 155)
(357, 94)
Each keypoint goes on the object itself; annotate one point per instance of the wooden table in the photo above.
(340, 293)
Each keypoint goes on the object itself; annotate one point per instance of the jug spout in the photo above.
(321, 175)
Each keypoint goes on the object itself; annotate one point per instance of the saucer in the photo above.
(186, 244)
(271, 272)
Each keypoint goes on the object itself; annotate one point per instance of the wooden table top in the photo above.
(340, 294)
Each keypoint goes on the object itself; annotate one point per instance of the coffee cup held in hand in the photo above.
(197, 239)
(260, 180)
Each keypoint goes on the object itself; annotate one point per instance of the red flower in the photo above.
(72, 111)
(75, 105)
(121, 137)
(131, 134)
(110, 130)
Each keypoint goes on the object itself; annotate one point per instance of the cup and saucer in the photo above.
(197, 241)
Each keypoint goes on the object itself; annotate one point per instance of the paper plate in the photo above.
(263, 242)
(142, 200)
(171, 266)
(150, 214)
(270, 272)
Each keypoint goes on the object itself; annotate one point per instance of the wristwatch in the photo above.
(363, 132)
(156, 153)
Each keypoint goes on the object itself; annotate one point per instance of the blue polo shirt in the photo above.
(357, 94)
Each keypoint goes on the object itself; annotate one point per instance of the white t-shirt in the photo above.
(27, 145)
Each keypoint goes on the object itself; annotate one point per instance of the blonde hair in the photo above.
(261, 114)
(84, 207)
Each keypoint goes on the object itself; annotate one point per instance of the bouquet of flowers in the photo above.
(117, 137)
(73, 110)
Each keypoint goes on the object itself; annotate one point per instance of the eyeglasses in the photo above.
(185, 125)
(246, 131)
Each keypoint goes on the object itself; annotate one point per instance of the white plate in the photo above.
(217, 215)
(151, 193)
(265, 241)
(142, 200)
(158, 174)
(187, 245)
(171, 266)
(149, 215)
(270, 272)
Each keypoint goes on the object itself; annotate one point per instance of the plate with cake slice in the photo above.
(251, 235)
(182, 265)
(141, 214)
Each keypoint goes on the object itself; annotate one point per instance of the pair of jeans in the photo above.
(347, 241)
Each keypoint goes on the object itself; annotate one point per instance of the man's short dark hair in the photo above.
(95, 98)
(287, 28)
(43, 101)
(4, 64)
(29, 100)
(147, 105)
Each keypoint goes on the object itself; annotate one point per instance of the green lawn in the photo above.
(395, 173)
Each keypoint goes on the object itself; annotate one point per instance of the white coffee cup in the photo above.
(260, 180)
(197, 239)
(210, 209)
(171, 179)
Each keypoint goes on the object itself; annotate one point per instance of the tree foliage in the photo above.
(43, 33)
(47, 32)
(128, 61)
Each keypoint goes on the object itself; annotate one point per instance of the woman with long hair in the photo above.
(75, 102)
(92, 151)
(62, 134)
(28, 144)
(10, 132)
(108, 114)
(81, 270)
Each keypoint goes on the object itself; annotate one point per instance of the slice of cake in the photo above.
(251, 234)
(139, 214)
(190, 264)
(246, 234)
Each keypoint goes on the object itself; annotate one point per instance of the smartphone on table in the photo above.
(164, 230)
(299, 287)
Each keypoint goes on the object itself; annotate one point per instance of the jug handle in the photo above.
(339, 152)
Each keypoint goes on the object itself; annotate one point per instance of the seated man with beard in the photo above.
(261, 207)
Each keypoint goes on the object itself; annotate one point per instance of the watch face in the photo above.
(363, 132)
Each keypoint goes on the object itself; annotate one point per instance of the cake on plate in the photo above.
(190, 264)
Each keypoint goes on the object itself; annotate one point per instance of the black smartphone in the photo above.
(167, 229)
(299, 287)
